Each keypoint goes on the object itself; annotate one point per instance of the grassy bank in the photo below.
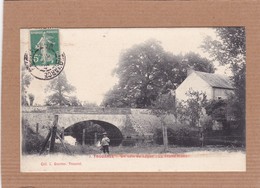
(89, 150)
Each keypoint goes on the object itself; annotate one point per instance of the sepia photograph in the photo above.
(133, 99)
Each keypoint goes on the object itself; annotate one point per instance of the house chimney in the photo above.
(190, 70)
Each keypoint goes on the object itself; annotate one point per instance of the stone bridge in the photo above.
(118, 122)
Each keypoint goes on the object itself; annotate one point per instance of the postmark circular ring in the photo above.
(46, 71)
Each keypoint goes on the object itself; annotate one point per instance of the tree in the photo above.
(144, 69)
(163, 107)
(117, 97)
(218, 110)
(230, 49)
(60, 89)
(164, 104)
(89, 104)
(198, 63)
(26, 81)
(31, 98)
(191, 110)
(140, 73)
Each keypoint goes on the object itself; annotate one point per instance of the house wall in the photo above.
(220, 92)
(194, 82)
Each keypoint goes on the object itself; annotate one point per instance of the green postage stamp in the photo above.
(44, 61)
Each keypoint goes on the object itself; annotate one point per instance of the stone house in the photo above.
(215, 86)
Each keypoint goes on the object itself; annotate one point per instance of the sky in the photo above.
(92, 55)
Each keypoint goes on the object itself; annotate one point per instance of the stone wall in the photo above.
(138, 121)
(74, 110)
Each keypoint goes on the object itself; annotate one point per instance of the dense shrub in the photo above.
(180, 135)
(158, 136)
(186, 136)
(31, 142)
(222, 137)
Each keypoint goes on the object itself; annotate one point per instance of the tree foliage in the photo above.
(26, 81)
(164, 105)
(89, 104)
(191, 110)
(217, 109)
(221, 111)
(230, 49)
(31, 98)
(198, 63)
(144, 70)
(61, 90)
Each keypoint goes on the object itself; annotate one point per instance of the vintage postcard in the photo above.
(133, 99)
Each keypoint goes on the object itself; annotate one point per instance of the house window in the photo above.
(219, 98)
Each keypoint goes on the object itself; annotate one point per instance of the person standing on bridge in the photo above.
(105, 143)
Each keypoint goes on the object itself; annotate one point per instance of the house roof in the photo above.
(215, 80)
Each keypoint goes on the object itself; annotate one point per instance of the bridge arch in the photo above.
(93, 132)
